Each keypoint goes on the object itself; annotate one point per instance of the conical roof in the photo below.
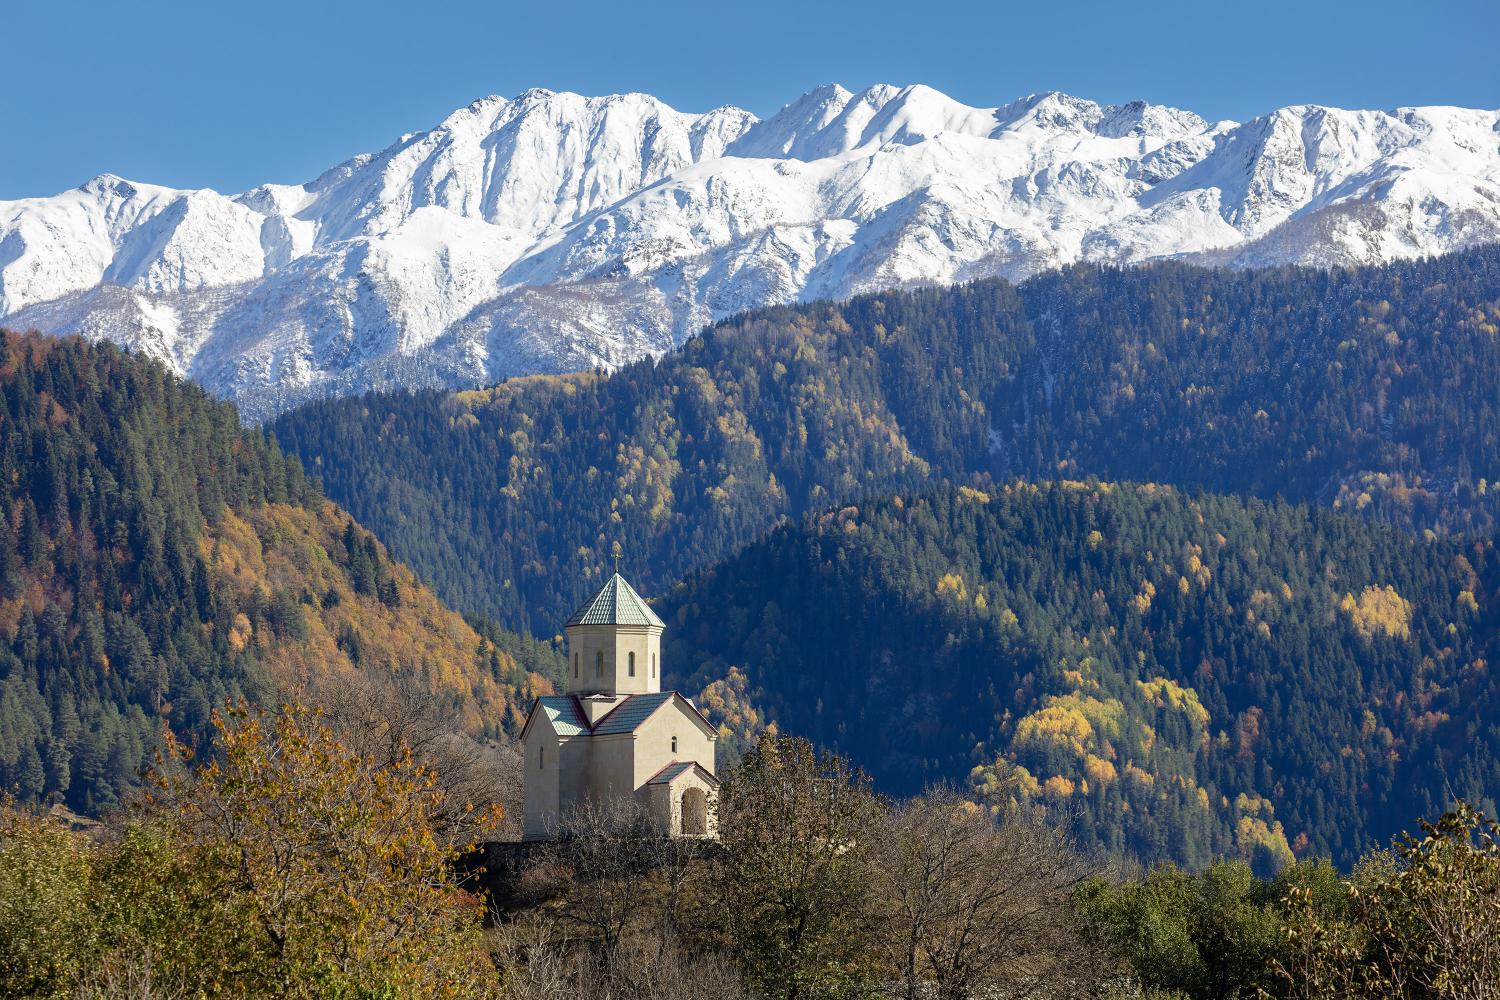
(616, 603)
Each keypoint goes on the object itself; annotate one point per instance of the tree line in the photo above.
(1267, 711)
(314, 856)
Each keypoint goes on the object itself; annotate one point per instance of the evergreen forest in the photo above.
(1176, 676)
(159, 561)
(1202, 559)
(1369, 390)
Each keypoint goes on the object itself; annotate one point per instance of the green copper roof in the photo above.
(617, 603)
(563, 712)
(627, 716)
(677, 769)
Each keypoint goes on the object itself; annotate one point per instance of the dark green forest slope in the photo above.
(1265, 678)
(1193, 676)
(158, 560)
(1374, 390)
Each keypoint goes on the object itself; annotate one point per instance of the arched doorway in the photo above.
(694, 812)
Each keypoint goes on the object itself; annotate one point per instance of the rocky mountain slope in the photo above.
(554, 232)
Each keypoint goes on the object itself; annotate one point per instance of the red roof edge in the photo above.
(714, 733)
(675, 695)
(670, 764)
(695, 766)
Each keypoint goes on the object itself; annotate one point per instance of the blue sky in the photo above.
(227, 95)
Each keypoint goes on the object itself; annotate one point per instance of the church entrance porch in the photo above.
(683, 798)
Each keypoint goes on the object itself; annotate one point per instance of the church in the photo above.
(615, 732)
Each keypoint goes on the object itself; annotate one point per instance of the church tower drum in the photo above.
(614, 643)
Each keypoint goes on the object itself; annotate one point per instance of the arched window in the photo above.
(541, 756)
(653, 666)
(599, 664)
(575, 665)
(674, 744)
(632, 664)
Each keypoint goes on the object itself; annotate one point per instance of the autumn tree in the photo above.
(290, 866)
(1326, 954)
(337, 859)
(970, 903)
(611, 890)
(1442, 903)
(598, 867)
(386, 720)
(538, 962)
(1419, 921)
(797, 872)
(45, 885)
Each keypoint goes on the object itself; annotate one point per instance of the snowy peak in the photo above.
(1053, 111)
(552, 231)
(110, 230)
(108, 187)
(1300, 160)
(546, 158)
(1058, 112)
(716, 131)
(831, 121)
(799, 129)
(526, 164)
(914, 114)
(1141, 120)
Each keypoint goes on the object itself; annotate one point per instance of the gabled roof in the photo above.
(677, 769)
(627, 716)
(562, 711)
(616, 603)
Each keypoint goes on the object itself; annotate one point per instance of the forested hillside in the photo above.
(158, 560)
(1191, 676)
(1374, 390)
(1199, 677)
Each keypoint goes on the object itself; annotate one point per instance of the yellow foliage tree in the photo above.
(336, 856)
(952, 585)
(1379, 609)
(1058, 787)
(1058, 725)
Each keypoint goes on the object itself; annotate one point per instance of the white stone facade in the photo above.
(615, 732)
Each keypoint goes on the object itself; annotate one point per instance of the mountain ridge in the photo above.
(554, 232)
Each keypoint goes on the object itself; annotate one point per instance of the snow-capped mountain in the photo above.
(554, 232)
